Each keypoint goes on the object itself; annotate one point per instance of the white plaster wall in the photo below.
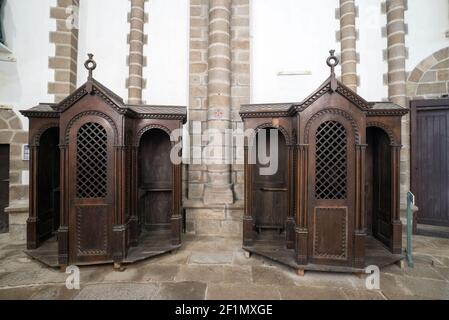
(428, 22)
(370, 47)
(167, 71)
(23, 84)
(103, 31)
(286, 36)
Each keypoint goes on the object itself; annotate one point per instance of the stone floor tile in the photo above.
(444, 272)
(311, 293)
(263, 275)
(175, 258)
(237, 274)
(427, 288)
(127, 275)
(220, 258)
(157, 272)
(335, 280)
(200, 273)
(94, 274)
(220, 291)
(118, 291)
(363, 294)
(188, 290)
(441, 261)
(419, 270)
(38, 276)
(54, 293)
(212, 244)
(240, 258)
(21, 293)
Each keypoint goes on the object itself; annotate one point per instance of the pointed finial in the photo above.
(90, 64)
(332, 62)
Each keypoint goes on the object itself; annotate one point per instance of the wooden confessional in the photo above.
(103, 188)
(333, 204)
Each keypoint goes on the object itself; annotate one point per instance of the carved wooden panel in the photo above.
(92, 230)
(330, 236)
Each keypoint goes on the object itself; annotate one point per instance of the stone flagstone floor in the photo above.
(216, 268)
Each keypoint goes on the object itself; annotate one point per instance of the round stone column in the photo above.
(397, 77)
(348, 38)
(136, 43)
(218, 189)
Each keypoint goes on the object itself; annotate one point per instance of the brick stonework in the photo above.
(347, 13)
(64, 62)
(11, 133)
(136, 60)
(241, 78)
(396, 56)
(219, 83)
(430, 78)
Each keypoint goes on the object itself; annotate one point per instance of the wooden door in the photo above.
(155, 183)
(331, 191)
(91, 190)
(48, 184)
(430, 160)
(4, 187)
(270, 192)
(378, 185)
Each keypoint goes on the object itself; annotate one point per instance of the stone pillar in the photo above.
(65, 38)
(397, 77)
(348, 39)
(219, 82)
(240, 81)
(136, 61)
(218, 188)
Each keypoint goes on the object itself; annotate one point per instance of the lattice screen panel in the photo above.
(91, 161)
(331, 161)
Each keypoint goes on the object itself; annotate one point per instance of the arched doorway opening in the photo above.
(48, 185)
(270, 191)
(378, 185)
(155, 191)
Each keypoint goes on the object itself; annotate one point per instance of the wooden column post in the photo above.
(63, 231)
(32, 232)
(119, 243)
(176, 219)
(248, 232)
(134, 220)
(301, 230)
(396, 245)
(290, 223)
(360, 228)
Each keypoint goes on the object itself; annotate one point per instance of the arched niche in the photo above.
(270, 191)
(155, 182)
(378, 186)
(48, 208)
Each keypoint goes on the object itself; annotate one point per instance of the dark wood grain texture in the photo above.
(107, 183)
(342, 183)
